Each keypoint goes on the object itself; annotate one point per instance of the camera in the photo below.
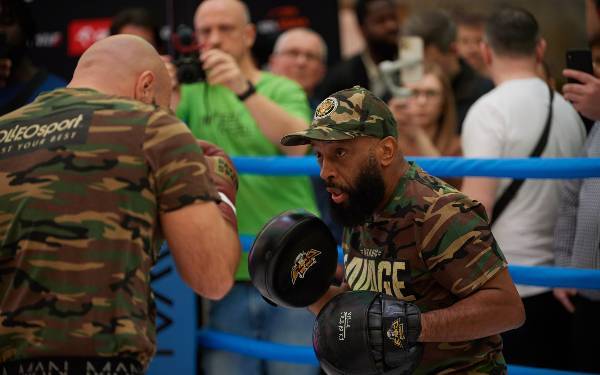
(187, 56)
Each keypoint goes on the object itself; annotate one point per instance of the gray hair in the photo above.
(281, 39)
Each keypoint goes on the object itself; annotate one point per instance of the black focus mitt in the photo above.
(367, 333)
(293, 259)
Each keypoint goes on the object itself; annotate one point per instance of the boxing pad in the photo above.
(223, 174)
(293, 259)
(367, 333)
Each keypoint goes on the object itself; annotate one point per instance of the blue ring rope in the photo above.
(257, 348)
(302, 354)
(527, 275)
(445, 167)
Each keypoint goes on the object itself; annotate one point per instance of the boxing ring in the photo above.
(178, 339)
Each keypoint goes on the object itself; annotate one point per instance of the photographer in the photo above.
(246, 112)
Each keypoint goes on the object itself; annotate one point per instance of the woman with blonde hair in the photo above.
(427, 120)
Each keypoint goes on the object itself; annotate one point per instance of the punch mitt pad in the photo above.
(293, 259)
(367, 333)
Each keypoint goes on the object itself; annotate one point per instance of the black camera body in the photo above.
(187, 56)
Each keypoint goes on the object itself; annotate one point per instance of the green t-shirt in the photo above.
(215, 114)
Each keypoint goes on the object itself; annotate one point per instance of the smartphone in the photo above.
(579, 59)
(411, 48)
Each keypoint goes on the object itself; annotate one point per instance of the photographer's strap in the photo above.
(22, 97)
(512, 189)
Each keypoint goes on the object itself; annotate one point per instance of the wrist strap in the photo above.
(246, 94)
(227, 201)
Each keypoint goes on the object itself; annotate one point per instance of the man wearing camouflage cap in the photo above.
(412, 236)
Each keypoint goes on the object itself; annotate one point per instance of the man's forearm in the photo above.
(220, 262)
(205, 247)
(487, 312)
(217, 265)
(274, 122)
(481, 189)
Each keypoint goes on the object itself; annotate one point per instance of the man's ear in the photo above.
(145, 87)
(540, 50)
(387, 150)
(249, 35)
(486, 53)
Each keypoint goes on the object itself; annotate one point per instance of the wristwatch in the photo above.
(249, 91)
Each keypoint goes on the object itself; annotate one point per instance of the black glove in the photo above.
(368, 333)
(293, 259)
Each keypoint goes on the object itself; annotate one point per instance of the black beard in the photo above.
(362, 200)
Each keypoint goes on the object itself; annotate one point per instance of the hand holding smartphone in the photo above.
(581, 60)
(583, 89)
(408, 68)
(411, 48)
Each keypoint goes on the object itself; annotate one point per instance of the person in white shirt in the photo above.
(509, 122)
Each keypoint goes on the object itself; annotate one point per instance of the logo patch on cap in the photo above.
(326, 107)
(303, 262)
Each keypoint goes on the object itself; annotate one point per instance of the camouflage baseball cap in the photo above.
(347, 114)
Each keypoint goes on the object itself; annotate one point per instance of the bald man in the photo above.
(300, 54)
(246, 111)
(93, 177)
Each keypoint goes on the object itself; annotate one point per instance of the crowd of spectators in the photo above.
(484, 92)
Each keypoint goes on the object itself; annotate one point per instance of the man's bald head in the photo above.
(309, 36)
(300, 54)
(124, 65)
(225, 25)
(235, 7)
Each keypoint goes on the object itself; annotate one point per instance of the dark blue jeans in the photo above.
(243, 312)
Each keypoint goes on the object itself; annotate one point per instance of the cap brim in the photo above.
(306, 136)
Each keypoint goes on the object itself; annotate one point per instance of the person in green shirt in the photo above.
(246, 112)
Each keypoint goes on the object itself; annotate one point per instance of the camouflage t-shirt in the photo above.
(432, 246)
(83, 179)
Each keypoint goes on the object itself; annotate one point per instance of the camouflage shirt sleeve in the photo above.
(177, 164)
(457, 244)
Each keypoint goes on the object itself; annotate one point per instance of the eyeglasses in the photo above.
(427, 94)
(294, 54)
